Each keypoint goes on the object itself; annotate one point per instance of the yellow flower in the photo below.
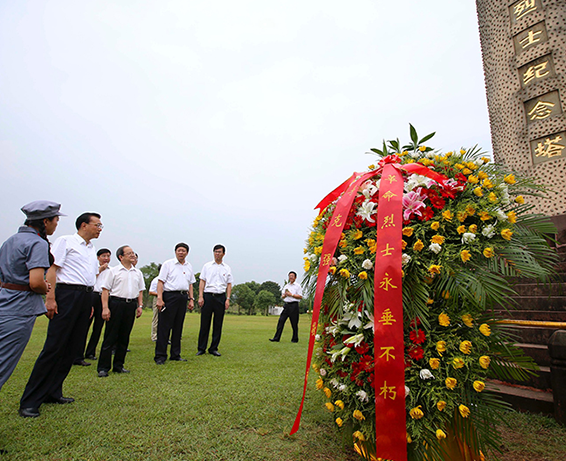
(358, 415)
(484, 215)
(339, 422)
(370, 242)
(457, 363)
(446, 294)
(422, 148)
(329, 406)
(344, 273)
(447, 215)
(318, 250)
(473, 179)
(416, 413)
(409, 439)
(403, 244)
(315, 367)
(327, 392)
(438, 239)
(407, 231)
(319, 383)
(470, 210)
(484, 361)
(488, 252)
(519, 199)
(459, 166)
(371, 167)
(441, 405)
(487, 184)
(465, 255)
(402, 154)
(473, 228)
(462, 151)
(484, 329)
(429, 301)
(339, 404)
(440, 347)
(485, 159)
(461, 229)
(358, 234)
(509, 179)
(466, 171)
(464, 411)
(492, 197)
(444, 320)
(332, 269)
(363, 275)
(358, 435)
(418, 246)
(478, 192)
(305, 251)
(461, 216)
(472, 166)
(466, 347)
(434, 269)
(479, 386)
(434, 363)
(468, 320)
(434, 225)
(506, 234)
(440, 434)
(359, 250)
(342, 243)
(307, 265)
(451, 383)
(512, 217)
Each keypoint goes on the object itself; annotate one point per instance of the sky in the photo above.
(221, 121)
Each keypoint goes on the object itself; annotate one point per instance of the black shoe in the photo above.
(128, 350)
(3, 452)
(215, 353)
(200, 353)
(60, 400)
(102, 374)
(160, 362)
(29, 412)
(91, 357)
(273, 340)
(82, 363)
(120, 370)
(294, 340)
(179, 360)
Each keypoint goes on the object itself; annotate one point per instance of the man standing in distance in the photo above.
(174, 289)
(69, 307)
(153, 293)
(215, 288)
(292, 293)
(122, 303)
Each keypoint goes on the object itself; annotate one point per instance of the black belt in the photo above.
(215, 294)
(69, 286)
(183, 292)
(125, 300)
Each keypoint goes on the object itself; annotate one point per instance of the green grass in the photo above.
(240, 406)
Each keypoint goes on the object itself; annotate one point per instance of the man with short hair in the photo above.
(292, 293)
(215, 288)
(153, 292)
(69, 307)
(174, 289)
(122, 303)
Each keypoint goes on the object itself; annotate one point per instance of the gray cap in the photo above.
(41, 209)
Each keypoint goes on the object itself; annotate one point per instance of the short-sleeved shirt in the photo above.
(123, 282)
(100, 279)
(19, 254)
(75, 260)
(153, 285)
(216, 276)
(176, 276)
(294, 289)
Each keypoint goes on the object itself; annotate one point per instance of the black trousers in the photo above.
(117, 333)
(96, 328)
(170, 325)
(291, 312)
(65, 338)
(214, 304)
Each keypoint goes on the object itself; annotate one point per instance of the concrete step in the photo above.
(523, 398)
(532, 335)
(536, 303)
(541, 289)
(538, 352)
(542, 316)
(540, 382)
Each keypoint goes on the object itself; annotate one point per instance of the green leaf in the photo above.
(414, 135)
(427, 137)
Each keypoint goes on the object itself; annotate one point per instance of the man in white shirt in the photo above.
(215, 288)
(155, 318)
(122, 303)
(174, 289)
(292, 293)
(69, 307)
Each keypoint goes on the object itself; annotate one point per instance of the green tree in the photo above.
(263, 300)
(254, 286)
(244, 297)
(272, 287)
(196, 291)
(149, 271)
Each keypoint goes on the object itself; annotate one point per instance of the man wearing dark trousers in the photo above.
(292, 293)
(215, 288)
(69, 307)
(174, 289)
(122, 302)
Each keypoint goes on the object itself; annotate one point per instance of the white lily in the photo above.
(426, 374)
(356, 340)
(468, 237)
(435, 248)
(488, 231)
(370, 323)
(367, 264)
(366, 210)
(362, 395)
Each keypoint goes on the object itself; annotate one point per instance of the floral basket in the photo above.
(463, 237)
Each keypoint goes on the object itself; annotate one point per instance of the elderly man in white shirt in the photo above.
(122, 303)
(215, 288)
(174, 290)
(292, 293)
(69, 308)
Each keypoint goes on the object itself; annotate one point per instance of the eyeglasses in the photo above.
(99, 225)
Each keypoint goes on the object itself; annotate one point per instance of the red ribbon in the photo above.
(389, 376)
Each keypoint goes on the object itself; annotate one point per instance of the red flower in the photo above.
(342, 373)
(367, 363)
(416, 352)
(427, 214)
(417, 336)
(437, 202)
(362, 348)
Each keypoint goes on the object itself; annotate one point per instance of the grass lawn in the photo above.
(240, 406)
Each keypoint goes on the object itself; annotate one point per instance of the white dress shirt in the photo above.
(100, 279)
(295, 289)
(216, 276)
(124, 283)
(75, 260)
(176, 276)
(153, 285)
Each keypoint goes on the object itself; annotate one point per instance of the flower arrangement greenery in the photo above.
(462, 240)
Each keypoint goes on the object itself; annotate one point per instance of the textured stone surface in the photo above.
(524, 55)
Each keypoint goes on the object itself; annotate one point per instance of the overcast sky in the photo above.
(222, 121)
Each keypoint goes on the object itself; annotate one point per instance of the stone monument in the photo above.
(523, 45)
